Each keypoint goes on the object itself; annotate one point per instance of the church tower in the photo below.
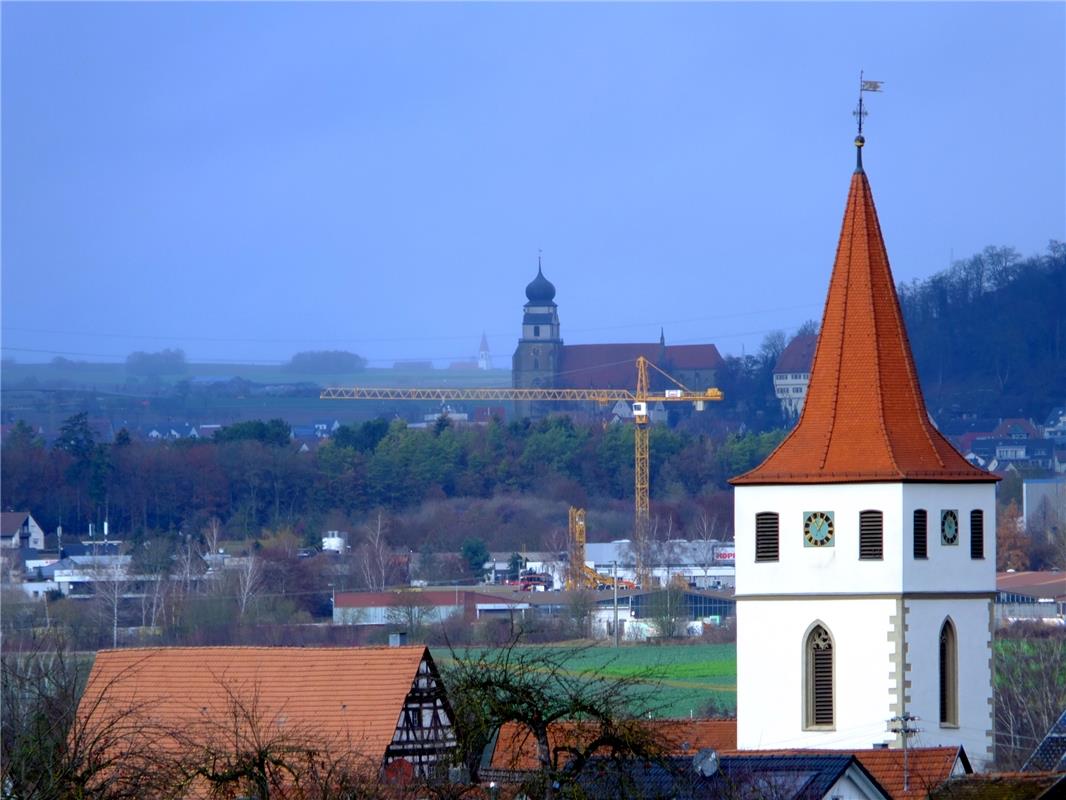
(865, 544)
(536, 359)
(484, 359)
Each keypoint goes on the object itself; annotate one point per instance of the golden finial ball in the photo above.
(859, 141)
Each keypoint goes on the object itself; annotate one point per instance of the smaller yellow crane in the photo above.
(580, 575)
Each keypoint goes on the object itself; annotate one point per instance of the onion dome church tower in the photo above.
(865, 547)
(536, 359)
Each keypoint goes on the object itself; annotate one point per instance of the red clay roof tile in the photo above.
(864, 418)
(347, 698)
(516, 749)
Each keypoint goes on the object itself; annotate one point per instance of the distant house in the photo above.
(324, 428)
(996, 454)
(792, 373)
(383, 709)
(1055, 425)
(18, 529)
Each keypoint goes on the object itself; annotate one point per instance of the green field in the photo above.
(681, 679)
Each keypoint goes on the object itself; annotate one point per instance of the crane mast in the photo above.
(639, 399)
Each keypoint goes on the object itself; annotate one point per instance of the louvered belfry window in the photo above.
(977, 533)
(767, 535)
(949, 675)
(819, 678)
(871, 536)
(921, 533)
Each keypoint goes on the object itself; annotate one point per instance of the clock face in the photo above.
(949, 527)
(818, 528)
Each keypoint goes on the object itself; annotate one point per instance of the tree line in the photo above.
(252, 477)
(989, 333)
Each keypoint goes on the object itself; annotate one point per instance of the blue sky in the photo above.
(249, 180)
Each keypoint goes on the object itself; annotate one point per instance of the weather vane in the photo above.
(860, 114)
(864, 86)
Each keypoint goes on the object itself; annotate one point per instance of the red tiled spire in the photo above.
(864, 418)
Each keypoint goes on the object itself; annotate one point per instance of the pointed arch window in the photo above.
(949, 675)
(818, 654)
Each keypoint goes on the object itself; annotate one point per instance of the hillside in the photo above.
(989, 335)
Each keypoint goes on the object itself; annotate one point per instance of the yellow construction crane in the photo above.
(639, 400)
(578, 574)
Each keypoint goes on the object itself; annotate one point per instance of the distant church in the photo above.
(865, 543)
(541, 360)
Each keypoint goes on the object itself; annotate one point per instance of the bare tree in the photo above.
(1030, 688)
(410, 612)
(52, 747)
(538, 689)
(249, 581)
(374, 554)
(111, 584)
(248, 747)
(212, 534)
(708, 528)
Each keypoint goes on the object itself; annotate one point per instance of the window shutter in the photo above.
(767, 535)
(871, 536)
(921, 533)
(819, 678)
(977, 533)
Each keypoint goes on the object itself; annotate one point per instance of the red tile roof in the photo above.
(614, 366)
(799, 354)
(11, 522)
(864, 418)
(1037, 584)
(516, 749)
(1009, 428)
(430, 597)
(348, 698)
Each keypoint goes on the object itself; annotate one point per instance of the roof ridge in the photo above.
(878, 389)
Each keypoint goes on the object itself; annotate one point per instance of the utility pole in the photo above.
(615, 584)
(903, 725)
